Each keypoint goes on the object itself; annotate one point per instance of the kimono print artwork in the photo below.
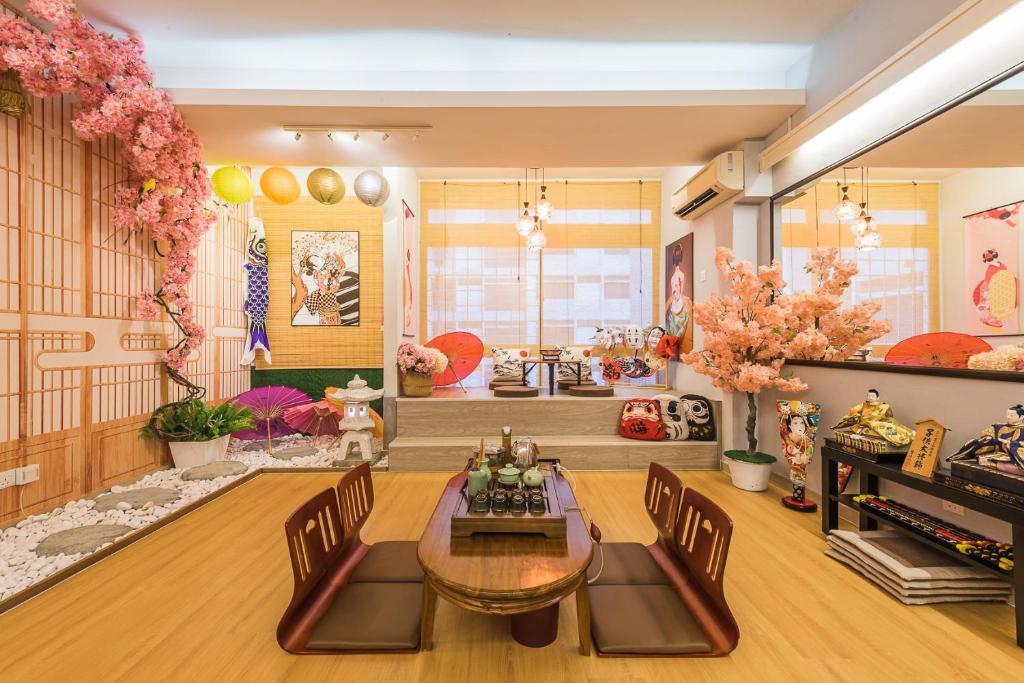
(992, 266)
(325, 278)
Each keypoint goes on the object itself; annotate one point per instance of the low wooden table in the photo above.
(521, 575)
(531, 363)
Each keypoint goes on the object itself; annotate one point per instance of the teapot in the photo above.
(524, 453)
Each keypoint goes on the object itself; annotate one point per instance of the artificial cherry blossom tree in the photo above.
(751, 331)
(167, 187)
(824, 329)
(745, 336)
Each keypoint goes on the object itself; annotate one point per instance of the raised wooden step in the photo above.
(543, 416)
(578, 452)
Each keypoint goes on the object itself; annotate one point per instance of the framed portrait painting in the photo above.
(679, 291)
(325, 278)
(992, 270)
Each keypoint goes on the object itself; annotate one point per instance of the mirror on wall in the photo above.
(933, 219)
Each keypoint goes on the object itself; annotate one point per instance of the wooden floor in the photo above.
(199, 601)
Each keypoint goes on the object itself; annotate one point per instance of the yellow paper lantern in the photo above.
(325, 186)
(279, 185)
(232, 185)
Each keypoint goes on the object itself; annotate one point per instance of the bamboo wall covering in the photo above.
(324, 346)
(79, 375)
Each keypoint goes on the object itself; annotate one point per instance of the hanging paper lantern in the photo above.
(279, 185)
(232, 185)
(372, 188)
(325, 186)
(12, 98)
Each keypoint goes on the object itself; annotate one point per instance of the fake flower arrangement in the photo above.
(167, 187)
(421, 359)
(1009, 357)
(749, 332)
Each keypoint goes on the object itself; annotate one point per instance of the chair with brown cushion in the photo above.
(685, 617)
(328, 613)
(393, 561)
(633, 563)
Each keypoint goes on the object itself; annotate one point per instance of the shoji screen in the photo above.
(79, 375)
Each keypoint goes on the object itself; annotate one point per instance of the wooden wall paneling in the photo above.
(328, 346)
(125, 453)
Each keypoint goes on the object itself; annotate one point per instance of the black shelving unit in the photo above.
(871, 473)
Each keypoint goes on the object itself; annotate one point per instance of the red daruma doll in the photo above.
(798, 423)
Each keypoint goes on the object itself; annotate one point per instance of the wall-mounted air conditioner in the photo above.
(721, 179)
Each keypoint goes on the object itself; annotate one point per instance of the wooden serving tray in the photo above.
(550, 523)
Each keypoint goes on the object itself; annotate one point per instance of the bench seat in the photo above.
(646, 620)
(370, 617)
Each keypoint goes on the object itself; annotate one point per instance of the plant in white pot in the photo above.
(197, 433)
(751, 331)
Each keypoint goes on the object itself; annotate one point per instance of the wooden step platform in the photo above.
(577, 452)
(484, 416)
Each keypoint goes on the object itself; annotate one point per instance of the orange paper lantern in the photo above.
(279, 185)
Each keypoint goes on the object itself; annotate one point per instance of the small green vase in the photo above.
(479, 478)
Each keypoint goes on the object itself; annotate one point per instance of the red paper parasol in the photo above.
(268, 405)
(315, 419)
(464, 351)
(937, 349)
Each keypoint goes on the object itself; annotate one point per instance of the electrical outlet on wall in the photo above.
(953, 507)
(703, 276)
(7, 479)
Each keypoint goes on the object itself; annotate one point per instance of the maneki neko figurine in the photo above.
(1001, 445)
(874, 419)
(798, 424)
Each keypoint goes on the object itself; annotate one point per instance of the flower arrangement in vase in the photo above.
(417, 364)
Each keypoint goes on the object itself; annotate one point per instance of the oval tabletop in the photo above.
(504, 573)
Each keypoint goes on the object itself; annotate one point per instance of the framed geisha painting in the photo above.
(325, 278)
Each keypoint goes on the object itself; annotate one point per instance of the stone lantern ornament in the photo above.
(357, 423)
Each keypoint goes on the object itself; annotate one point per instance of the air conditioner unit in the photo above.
(721, 179)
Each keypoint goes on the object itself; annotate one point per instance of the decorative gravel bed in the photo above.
(21, 566)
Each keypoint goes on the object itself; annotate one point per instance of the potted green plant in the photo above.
(197, 433)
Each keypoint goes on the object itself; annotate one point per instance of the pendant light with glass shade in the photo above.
(846, 209)
(531, 224)
(536, 240)
(544, 207)
(865, 232)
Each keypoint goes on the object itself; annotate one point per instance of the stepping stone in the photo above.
(515, 391)
(297, 452)
(136, 498)
(221, 468)
(84, 539)
(592, 390)
(260, 445)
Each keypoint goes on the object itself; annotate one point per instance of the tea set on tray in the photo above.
(515, 487)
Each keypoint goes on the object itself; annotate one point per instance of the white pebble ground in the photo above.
(20, 567)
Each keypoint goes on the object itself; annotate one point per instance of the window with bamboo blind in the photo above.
(598, 268)
(902, 275)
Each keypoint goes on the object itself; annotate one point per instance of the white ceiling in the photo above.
(764, 21)
(571, 83)
(483, 137)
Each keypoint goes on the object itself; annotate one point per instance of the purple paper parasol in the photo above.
(268, 405)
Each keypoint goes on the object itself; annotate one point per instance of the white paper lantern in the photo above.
(372, 188)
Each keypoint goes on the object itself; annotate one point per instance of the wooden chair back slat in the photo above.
(355, 495)
(661, 498)
(315, 538)
(702, 540)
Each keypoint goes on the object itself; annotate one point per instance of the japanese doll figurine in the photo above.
(1000, 445)
(874, 419)
(798, 424)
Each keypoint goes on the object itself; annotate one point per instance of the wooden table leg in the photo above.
(536, 629)
(868, 523)
(829, 489)
(551, 379)
(583, 617)
(427, 617)
(1018, 584)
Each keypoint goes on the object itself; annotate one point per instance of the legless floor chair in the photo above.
(666, 599)
(348, 597)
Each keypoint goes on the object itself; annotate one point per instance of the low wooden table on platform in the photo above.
(521, 575)
(531, 363)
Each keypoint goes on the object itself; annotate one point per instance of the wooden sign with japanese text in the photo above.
(923, 456)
